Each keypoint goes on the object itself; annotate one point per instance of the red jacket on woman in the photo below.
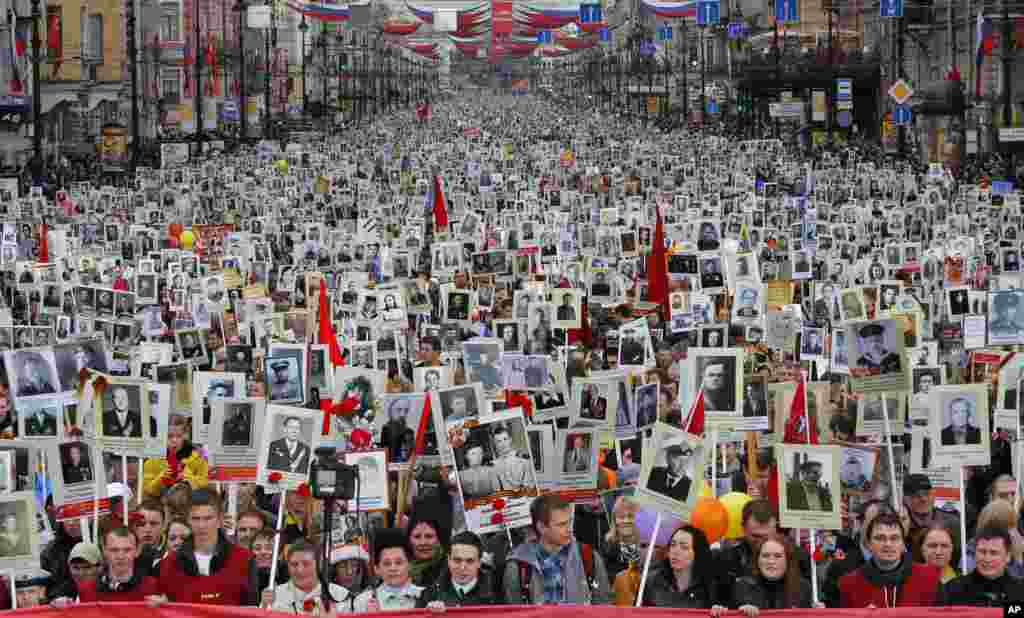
(909, 585)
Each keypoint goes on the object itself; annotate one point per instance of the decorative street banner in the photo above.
(501, 27)
(131, 610)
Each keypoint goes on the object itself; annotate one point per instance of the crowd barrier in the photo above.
(173, 610)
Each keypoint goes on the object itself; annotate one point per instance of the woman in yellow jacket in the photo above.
(183, 464)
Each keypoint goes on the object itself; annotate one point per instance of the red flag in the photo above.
(44, 244)
(695, 424)
(798, 429)
(421, 431)
(440, 209)
(657, 269)
(327, 329)
(53, 41)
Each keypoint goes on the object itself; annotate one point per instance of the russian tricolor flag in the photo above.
(986, 42)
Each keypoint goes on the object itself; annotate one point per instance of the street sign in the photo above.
(709, 12)
(793, 109)
(901, 92)
(890, 8)
(1011, 135)
(786, 11)
(1002, 187)
(903, 115)
(844, 89)
(845, 119)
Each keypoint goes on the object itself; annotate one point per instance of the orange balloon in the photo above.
(711, 517)
(175, 230)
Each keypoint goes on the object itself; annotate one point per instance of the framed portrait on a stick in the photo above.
(235, 435)
(289, 438)
(672, 470)
(959, 425)
(810, 476)
(19, 533)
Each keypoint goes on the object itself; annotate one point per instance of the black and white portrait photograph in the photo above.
(481, 359)
(494, 457)
(235, 431)
(812, 343)
(876, 356)
(373, 480)
(672, 470)
(839, 352)
(594, 399)
(755, 405)
(713, 336)
(19, 534)
(76, 463)
(458, 403)
(646, 405)
(811, 497)
(748, 302)
(403, 414)
(959, 427)
(124, 410)
(857, 468)
(716, 372)
(567, 307)
(284, 379)
(508, 331)
(289, 435)
(191, 345)
(431, 378)
(575, 458)
(1006, 317)
(40, 417)
(852, 305)
(31, 372)
(542, 448)
(871, 413)
(364, 354)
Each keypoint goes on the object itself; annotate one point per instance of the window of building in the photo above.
(94, 51)
(170, 86)
(170, 16)
(54, 33)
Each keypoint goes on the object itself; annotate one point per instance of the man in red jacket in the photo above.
(889, 578)
(119, 580)
(207, 569)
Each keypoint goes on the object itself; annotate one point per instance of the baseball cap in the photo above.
(85, 551)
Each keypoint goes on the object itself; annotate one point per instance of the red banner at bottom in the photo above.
(132, 610)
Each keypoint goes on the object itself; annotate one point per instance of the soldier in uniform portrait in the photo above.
(282, 386)
(237, 425)
(1002, 306)
(807, 493)
(873, 353)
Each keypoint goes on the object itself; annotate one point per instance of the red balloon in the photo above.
(711, 517)
(175, 230)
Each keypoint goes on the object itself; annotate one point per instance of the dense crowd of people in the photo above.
(184, 536)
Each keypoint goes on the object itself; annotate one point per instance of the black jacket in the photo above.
(973, 589)
(735, 561)
(483, 593)
(764, 595)
(661, 591)
(54, 559)
(853, 560)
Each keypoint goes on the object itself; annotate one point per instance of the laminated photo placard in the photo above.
(809, 486)
(289, 438)
(78, 465)
(575, 460)
(235, 435)
(671, 473)
(19, 534)
(494, 461)
(959, 425)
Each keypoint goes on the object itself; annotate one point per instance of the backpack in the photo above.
(586, 554)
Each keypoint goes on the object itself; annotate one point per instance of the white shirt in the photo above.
(203, 562)
(288, 598)
(388, 600)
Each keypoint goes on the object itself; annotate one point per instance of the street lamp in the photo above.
(37, 99)
(241, 6)
(303, 28)
(134, 68)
